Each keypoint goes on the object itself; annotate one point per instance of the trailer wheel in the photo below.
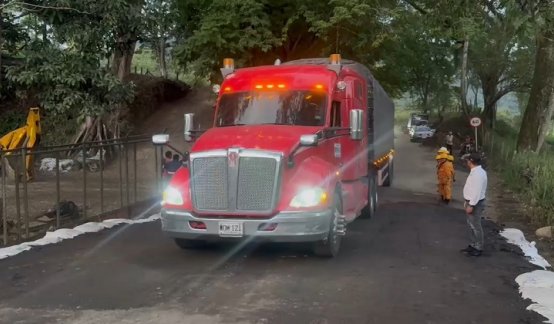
(189, 244)
(370, 209)
(330, 246)
(388, 181)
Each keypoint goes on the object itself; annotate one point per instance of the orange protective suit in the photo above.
(445, 176)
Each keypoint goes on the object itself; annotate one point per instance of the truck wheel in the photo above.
(189, 244)
(329, 247)
(371, 208)
(388, 181)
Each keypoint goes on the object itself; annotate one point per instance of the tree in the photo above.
(426, 61)
(161, 23)
(538, 114)
(11, 36)
(498, 50)
(258, 32)
(65, 69)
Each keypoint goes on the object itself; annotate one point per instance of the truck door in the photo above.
(354, 156)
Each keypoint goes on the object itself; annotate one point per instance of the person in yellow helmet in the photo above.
(451, 166)
(445, 172)
(443, 150)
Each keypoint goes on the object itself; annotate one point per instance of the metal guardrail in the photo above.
(113, 168)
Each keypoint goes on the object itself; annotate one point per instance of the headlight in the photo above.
(309, 197)
(172, 196)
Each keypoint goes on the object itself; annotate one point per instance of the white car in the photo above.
(421, 132)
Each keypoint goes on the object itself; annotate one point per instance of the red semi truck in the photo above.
(296, 152)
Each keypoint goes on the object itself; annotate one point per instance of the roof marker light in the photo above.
(335, 58)
(269, 86)
(319, 86)
(227, 89)
(228, 63)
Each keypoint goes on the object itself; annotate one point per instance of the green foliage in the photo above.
(69, 81)
(11, 120)
(424, 60)
(63, 66)
(258, 32)
(538, 195)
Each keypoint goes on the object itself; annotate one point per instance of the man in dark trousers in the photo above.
(475, 190)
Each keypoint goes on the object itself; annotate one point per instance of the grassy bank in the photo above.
(529, 175)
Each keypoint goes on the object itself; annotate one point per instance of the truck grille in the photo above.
(244, 184)
(210, 183)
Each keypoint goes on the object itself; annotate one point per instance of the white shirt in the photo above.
(475, 188)
(449, 139)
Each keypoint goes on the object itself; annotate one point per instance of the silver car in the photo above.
(421, 132)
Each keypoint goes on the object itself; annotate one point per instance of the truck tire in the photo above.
(370, 209)
(186, 244)
(330, 246)
(388, 181)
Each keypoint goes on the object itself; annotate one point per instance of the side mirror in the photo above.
(308, 140)
(189, 125)
(356, 124)
(160, 139)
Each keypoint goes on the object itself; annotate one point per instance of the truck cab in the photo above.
(292, 156)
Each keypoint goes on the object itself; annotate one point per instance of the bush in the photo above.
(12, 120)
(530, 175)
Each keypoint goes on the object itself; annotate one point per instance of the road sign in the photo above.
(475, 122)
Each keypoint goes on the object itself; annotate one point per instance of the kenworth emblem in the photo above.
(232, 158)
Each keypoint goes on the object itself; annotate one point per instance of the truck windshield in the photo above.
(304, 108)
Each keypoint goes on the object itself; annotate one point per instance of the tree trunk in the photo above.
(537, 116)
(122, 58)
(161, 57)
(490, 90)
(44, 33)
(463, 76)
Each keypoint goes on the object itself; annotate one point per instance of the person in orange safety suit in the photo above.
(445, 175)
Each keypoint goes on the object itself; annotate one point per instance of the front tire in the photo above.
(330, 246)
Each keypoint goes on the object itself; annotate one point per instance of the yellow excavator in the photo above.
(27, 136)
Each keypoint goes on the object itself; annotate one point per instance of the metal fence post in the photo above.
(4, 202)
(120, 174)
(135, 171)
(17, 200)
(58, 220)
(157, 171)
(84, 181)
(127, 191)
(25, 196)
(101, 180)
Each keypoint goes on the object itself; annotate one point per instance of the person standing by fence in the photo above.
(475, 190)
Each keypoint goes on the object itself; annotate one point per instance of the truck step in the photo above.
(341, 226)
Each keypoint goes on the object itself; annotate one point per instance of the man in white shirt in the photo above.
(475, 191)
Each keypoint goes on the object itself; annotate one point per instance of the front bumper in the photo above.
(291, 227)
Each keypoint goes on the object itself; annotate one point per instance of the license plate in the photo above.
(230, 229)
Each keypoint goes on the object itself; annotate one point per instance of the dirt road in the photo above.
(401, 267)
